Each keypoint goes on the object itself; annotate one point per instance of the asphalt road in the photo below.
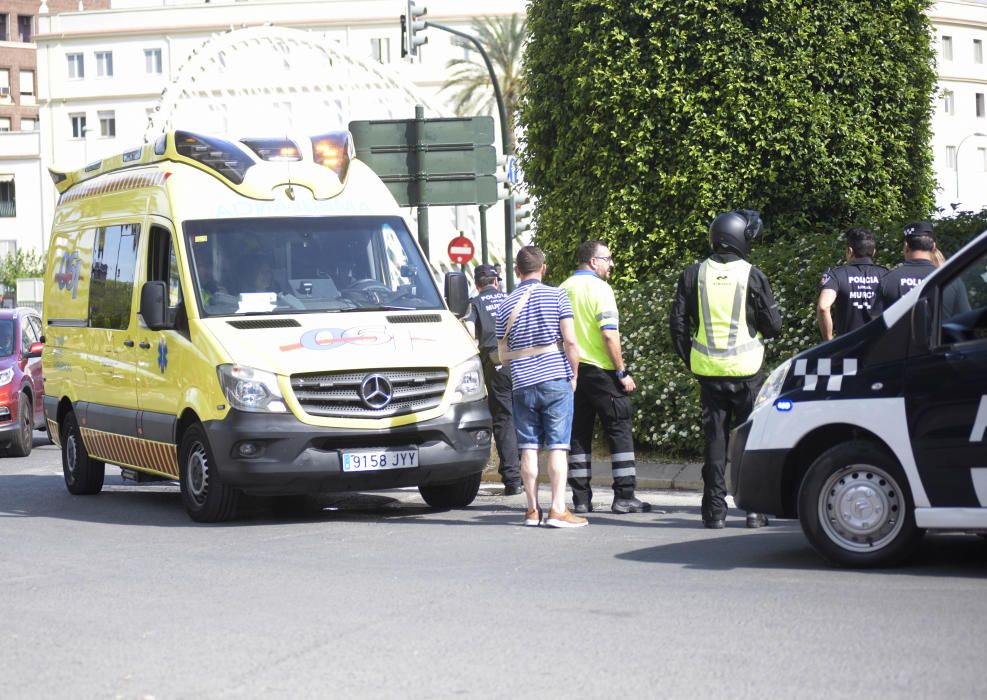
(375, 595)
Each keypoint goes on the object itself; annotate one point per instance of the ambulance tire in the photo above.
(458, 494)
(879, 530)
(83, 474)
(206, 498)
(23, 441)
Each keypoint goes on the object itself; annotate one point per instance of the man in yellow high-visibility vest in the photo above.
(723, 307)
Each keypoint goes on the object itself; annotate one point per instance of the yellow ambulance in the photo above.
(254, 316)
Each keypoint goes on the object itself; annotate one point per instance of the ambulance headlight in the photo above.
(6, 376)
(249, 389)
(466, 381)
(772, 387)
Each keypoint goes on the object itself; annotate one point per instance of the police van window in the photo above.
(312, 264)
(162, 266)
(111, 285)
(964, 304)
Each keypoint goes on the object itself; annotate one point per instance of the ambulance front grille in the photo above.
(338, 394)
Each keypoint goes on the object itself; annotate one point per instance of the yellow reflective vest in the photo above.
(723, 345)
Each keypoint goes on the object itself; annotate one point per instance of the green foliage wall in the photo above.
(644, 118)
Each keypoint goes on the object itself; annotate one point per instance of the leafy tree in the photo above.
(20, 264)
(643, 118)
(469, 81)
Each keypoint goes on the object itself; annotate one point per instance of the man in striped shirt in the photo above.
(531, 323)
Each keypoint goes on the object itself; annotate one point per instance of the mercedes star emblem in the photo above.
(376, 391)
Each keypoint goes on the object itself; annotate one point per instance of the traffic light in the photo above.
(503, 186)
(412, 25)
(522, 213)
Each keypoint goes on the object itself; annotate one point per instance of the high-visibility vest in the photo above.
(723, 345)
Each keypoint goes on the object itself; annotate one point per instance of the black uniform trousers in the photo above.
(500, 401)
(726, 403)
(599, 393)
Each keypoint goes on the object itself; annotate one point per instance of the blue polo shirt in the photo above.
(536, 325)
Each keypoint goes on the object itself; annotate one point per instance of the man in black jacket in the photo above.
(847, 292)
(722, 308)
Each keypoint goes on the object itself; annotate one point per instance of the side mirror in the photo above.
(457, 293)
(35, 350)
(154, 305)
(920, 325)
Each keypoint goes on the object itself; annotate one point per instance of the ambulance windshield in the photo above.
(313, 264)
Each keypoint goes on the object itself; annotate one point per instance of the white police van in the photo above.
(881, 434)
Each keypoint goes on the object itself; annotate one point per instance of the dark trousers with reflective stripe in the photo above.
(599, 393)
(726, 404)
(500, 400)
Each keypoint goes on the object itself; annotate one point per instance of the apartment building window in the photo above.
(978, 51)
(4, 84)
(107, 124)
(77, 65)
(380, 50)
(949, 102)
(951, 157)
(25, 28)
(8, 206)
(947, 48)
(152, 61)
(78, 125)
(980, 104)
(4, 124)
(3, 26)
(104, 64)
(29, 124)
(27, 86)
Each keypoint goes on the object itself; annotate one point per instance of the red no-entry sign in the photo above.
(461, 250)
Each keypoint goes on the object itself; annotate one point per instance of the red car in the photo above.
(22, 390)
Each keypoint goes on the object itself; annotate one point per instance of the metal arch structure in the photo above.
(270, 80)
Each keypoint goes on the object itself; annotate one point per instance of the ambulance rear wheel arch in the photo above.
(808, 450)
(856, 508)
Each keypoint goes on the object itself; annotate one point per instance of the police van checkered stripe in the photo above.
(131, 452)
(832, 370)
(113, 182)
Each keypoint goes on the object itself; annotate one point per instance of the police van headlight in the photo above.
(6, 376)
(466, 381)
(772, 387)
(249, 389)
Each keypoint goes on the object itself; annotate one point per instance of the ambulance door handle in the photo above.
(145, 345)
(129, 343)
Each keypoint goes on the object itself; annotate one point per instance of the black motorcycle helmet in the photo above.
(734, 230)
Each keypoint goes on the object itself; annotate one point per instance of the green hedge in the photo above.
(667, 416)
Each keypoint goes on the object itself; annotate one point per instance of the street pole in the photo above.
(962, 141)
(420, 178)
(484, 252)
(506, 145)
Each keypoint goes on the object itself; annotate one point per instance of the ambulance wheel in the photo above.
(855, 507)
(458, 494)
(83, 474)
(206, 498)
(23, 441)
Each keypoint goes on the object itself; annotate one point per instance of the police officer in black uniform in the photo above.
(483, 314)
(847, 292)
(719, 339)
(919, 251)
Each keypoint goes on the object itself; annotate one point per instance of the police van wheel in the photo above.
(206, 498)
(458, 494)
(855, 507)
(23, 441)
(83, 474)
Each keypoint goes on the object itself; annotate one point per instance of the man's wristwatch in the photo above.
(621, 373)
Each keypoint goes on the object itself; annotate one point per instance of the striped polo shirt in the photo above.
(537, 324)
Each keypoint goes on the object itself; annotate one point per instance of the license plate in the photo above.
(375, 460)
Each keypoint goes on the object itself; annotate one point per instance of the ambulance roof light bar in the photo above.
(334, 150)
(222, 156)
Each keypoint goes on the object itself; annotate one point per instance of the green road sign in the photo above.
(431, 162)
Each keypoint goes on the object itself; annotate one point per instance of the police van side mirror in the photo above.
(920, 325)
(457, 293)
(154, 305)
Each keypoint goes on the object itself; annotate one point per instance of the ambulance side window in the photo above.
(964, 304)
(111, 286)
(162, 266)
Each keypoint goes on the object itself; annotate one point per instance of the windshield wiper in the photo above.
(382, 307)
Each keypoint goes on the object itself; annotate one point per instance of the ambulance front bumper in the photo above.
(292, 457)
(756, 476)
